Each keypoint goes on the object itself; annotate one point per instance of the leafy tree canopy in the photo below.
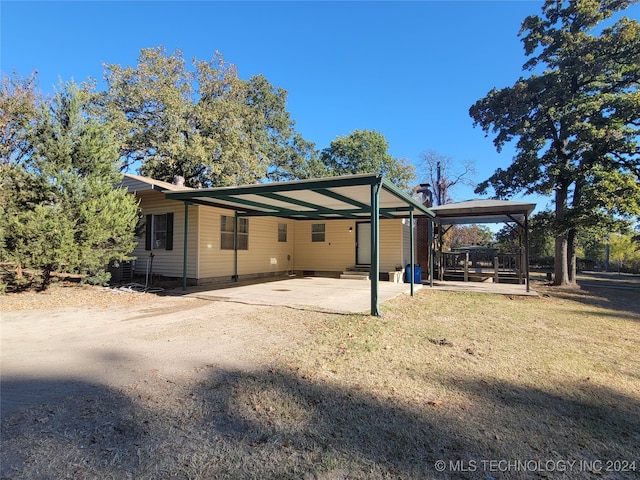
(366, 151)
(468, 235)
(200, 121)
(19, 101)
(541, 244)
(575, 120)
(624, 251)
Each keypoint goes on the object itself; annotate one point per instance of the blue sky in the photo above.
(409, 70)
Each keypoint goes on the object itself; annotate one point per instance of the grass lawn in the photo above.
(445, 385)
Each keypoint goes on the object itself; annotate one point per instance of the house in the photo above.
(322, 227)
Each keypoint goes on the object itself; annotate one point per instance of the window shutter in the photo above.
(148, 231)
(169, 231)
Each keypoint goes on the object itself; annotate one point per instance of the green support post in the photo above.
(186, 245)
(526, 250)
(411, 254)
(375, 247)
(235, 247)
(430, 242)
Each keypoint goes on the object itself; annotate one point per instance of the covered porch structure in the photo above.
(362, 197)
(483, 263)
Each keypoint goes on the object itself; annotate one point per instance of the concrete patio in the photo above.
(333, 294)
(327, 294)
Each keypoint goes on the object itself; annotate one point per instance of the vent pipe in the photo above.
(178, 180)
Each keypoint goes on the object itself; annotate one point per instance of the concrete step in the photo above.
(355, 276)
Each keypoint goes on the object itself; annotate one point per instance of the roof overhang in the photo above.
(314, 199)
(138, 183)
(483, 211)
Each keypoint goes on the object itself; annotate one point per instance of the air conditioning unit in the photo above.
(122, 272)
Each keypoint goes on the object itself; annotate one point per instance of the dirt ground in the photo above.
(99, 384)
(56, 344)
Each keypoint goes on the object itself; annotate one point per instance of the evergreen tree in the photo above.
(63, 211)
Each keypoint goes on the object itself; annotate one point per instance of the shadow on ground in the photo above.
(278, 424)
(611, 291)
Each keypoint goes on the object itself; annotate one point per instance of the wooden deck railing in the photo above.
(481, 264)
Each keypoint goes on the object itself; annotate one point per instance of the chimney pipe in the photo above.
(426, 196)
(178, 180)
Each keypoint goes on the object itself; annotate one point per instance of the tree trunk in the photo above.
(561, 252)
(46, 278)
(572, 232)
(572, 246)
(561, 273)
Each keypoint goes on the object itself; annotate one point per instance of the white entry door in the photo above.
(363, 243)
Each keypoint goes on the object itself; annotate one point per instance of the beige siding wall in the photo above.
(390, 244)
(168, 262)
(338, 251)
(265, 254)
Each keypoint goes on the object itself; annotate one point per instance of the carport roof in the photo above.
(483, 211)
(347, 196)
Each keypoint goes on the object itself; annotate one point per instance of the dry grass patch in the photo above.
(458, 377)
(68, 294)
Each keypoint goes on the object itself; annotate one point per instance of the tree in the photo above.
(541, 242)
(201, 121)
(442, 174)
(469, 235)
(366, 151)
(297, 161)
(19, 101)
(624, 250)
(62, 209)
(576, 120)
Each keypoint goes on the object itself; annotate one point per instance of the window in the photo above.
(243, 234)
(159, 232)
(282, 232)
(317, 232)
(227, 230)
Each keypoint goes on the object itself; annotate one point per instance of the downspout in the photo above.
(375, 239)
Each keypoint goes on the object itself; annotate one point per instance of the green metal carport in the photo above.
(367, 196)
